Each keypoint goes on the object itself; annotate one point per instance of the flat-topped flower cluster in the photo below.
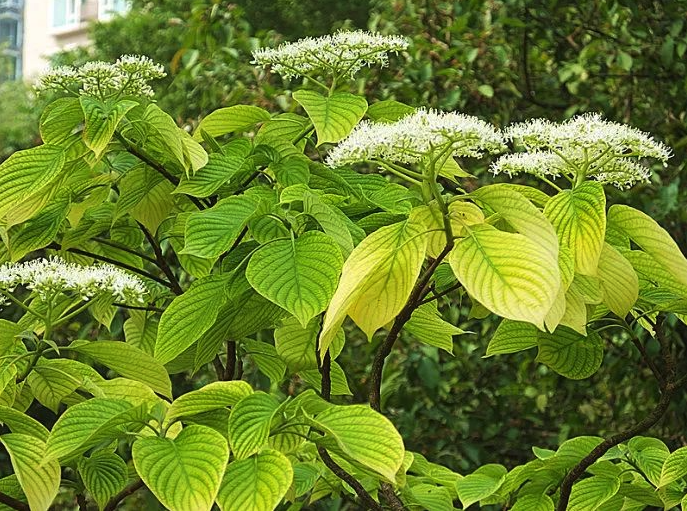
(342, 53)
(49, 276)
(128, 76)
(605, 151)
(416, 137)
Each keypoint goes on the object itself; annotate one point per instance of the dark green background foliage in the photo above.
(504, 61)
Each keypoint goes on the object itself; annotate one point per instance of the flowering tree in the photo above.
(223, 247)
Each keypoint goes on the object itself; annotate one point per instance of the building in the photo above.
(11, 21)
(53, 25)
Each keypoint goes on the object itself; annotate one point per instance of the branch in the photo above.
(339, 472)
(649, 361)
(161, 262)
(56, 246)
(385, 348)
(439, 295)
(230, 368)
(326, 372)
(145, 158)
(14, 503)
(129, 490)
(124, 248)
(149, 308)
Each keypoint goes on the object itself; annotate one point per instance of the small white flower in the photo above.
(130, 75)
(605, 151)
(417, 137)
(49, 276)
(341, 53)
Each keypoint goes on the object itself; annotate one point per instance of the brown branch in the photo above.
(230, 368)
(123, 248)
(14, 503)
(219, 368)
(384, 349)
(326, 372)
(649, 361)
(439, 295)
(81, 502)
(149, 308)
(161, 262)
(129, 490)
(56, 246)
(339, 472)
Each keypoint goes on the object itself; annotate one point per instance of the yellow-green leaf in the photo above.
(219, 394)
(333, 116)
(571, 354)
(511, 337)
(579, 217)
(619, 282)
(230, 119)
(377, 278)
(674, 467)
(249, 423)
(104, 474)
(102, 121)
(298, 274)
(508, 273)
(184, 473)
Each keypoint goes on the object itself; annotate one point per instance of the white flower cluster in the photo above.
(54, 275)
(606, 151)
(417, 137)
(341, 53)
(129, 76)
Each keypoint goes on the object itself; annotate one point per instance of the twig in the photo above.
(230, 368)
(391, 337)
(14, 503)
(326, 372)
(649, 361)
(219, 368)
(149, 308)
(161, 262)
(56, 246)
(129, 490)
(339, 472)
(81, 502)
(439, 295)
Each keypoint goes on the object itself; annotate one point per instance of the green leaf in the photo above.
(508, 273)
(85, 424)
(102, 121)
(207, 180)
(25, 173)
(650, 461)
(475, 487)
(184, 473)
(162, 136)
(266, 359)
(579, 217)
(619, 282)
(313, 377)
(249, 424)
(571, 354)
(388, 111)
(38, 477)
(60, 119)
(651, 238)
(331, 219)
(432, 497)
(533, 503)
(362, 436)
(211, 232)
(258, 483)
(427, 325)
(592, 492)
(216, 395)
(154, 206)
(334, 116)
(291, 171)
(40, 230)
(50, 385)
(299, 274)
(19, 422)
(104, 474)
(230, 119)
(674, 467)
(511, 337)
(188, 317)
(297, 345)
(377, 279)
(128, 361)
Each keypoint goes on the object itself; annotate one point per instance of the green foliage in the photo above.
(250, 249)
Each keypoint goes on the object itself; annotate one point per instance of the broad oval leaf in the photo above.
(427, 325)
(333, 116)
(299, 274)
(218, 171)
(27, 172)
(619, 282)
(249, 424)
(19, 422)
(592, 492)
(508, 273)
(219, 394)
(230, 119)
(533, 503)
(511, 337)
(85, 424)
(362, 436)
(475, 487)
(188, 317)
(258, 483)
(102, 121)
(571, 354)
(38, 477)
(674, 467)
(129, 362)
(579, 217)
(297, 346)
(377, 278)
(104, 474)
(184, 473)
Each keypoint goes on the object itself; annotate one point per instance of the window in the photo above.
(8, 33)
(66, 13)
(107, 8)
(10, 3)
